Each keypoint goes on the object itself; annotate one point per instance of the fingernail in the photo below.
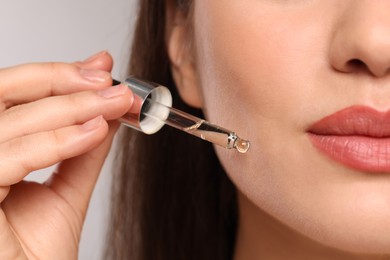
(92, 124)
(94, 57)
(95, 75)
(113, 91)
(137, 104)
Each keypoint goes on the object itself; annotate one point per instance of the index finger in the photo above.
(30, 82)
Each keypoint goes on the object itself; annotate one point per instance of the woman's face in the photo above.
(272, 70)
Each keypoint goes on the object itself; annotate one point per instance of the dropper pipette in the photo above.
(198, 127)
(156, 111)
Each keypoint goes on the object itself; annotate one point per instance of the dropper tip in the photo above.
(242, 145)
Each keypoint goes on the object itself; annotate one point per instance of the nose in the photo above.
(361, 41)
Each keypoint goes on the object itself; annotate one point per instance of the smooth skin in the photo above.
(269, 69)
(53, 113)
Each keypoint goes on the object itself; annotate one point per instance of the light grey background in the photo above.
(53, 30)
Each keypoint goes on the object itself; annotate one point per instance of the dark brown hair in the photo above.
(171, 197)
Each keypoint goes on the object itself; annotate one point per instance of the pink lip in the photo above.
(357, 136)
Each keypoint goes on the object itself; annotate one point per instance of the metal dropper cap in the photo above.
(147, 90)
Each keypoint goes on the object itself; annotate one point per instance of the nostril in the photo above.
(355, 65)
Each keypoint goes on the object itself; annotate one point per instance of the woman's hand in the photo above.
(52, 113)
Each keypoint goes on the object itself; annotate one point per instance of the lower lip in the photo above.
(363, 153)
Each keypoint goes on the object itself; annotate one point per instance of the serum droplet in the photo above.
(242, 145)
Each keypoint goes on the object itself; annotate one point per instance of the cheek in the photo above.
(254, 64)
(254, 78)
(253, 74)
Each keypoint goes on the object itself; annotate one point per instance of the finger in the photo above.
(23, 155)
(75, 178)
(29, 82)
(60, 111)
(100, 61)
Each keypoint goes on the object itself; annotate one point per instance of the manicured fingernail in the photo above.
(92, 124)
(113, 91)
(94, 57)
(95, 75)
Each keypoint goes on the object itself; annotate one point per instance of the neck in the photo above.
(261, 236)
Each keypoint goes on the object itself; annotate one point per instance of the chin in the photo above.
(360, 225)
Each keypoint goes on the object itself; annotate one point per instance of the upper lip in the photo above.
(354, 121)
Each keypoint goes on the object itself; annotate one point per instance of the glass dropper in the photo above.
(196, 126)
(156, 111)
